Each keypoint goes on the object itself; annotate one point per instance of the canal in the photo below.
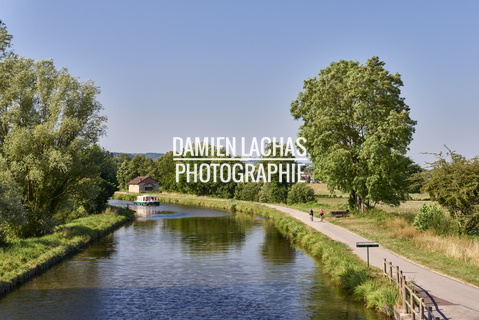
(183, 262)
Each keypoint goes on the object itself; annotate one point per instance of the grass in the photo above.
(453, 255)
(456, 256)
(321, 189)
(21, 259)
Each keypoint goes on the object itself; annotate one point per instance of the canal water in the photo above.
(183, 262)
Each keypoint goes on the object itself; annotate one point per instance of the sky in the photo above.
(203, 68)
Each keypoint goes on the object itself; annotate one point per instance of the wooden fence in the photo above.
(411, 303)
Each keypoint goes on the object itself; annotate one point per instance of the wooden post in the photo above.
(397, 275)
(411, 301)
(421, 308)
(403, 291)
(390, 270)
(429, 313)
(384, 267)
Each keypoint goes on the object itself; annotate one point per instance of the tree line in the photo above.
(356, 124)
(163, 170)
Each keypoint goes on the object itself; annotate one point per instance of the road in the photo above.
(454, 300)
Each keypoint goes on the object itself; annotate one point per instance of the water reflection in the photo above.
(194, 263)
(275, 247)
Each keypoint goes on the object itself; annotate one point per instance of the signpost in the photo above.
(367, 245)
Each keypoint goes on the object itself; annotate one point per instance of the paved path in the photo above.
(458, 301)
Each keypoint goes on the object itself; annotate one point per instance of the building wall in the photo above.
(148, 187)
(134, 188)
(142, 187)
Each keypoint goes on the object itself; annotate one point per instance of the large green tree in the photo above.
(358, 129)
(49, 125)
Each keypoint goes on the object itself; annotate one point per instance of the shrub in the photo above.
(272, 192)
(248, 191)
(431, 217)
(301, 193)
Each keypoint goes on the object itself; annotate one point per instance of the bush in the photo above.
(273, 192)
(248, 191)
(301, 193)
(431, 217)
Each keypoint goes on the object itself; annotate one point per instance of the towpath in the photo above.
(454, 300)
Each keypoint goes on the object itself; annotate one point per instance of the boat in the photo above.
(147, 200)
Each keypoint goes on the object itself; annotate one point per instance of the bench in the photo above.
(337, 214)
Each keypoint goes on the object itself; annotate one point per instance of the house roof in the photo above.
(143, 179)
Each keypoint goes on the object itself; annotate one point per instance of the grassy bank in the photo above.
(21, 259)
(456, 256)
(343, 266)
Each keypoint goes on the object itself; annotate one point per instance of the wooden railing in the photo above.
(411, 303)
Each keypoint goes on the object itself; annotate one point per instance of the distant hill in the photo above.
(150, 155)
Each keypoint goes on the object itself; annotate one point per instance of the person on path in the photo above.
(321, 214)
(311, 214)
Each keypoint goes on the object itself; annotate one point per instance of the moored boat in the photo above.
(147, 200)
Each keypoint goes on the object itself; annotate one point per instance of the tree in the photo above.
(49, 120)
(276, 190)
(165, 167)
(301, 193)
(100, 181)
(415, 178)
(358, 130)
(12, 210)
(140, 165)
(248, 191)
(454, 185)
(272, 192)
(5, 39)
(210, 187)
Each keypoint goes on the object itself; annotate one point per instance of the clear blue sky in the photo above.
(231, 68)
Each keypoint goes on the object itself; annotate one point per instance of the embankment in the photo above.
(22, 259)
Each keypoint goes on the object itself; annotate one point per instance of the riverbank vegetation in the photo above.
(24, 258)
